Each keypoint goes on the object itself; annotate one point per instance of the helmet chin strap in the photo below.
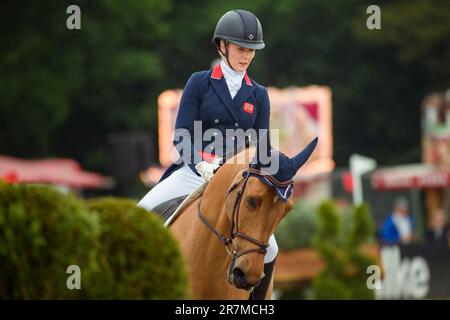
(226, 56)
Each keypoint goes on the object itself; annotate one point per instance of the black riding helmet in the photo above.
(240, 27)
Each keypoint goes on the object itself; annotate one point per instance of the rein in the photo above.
(234, 230)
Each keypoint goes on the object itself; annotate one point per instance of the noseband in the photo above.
(234, 231)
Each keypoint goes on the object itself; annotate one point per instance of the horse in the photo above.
(223, 235)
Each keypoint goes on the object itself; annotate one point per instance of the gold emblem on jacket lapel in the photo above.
(248, 107)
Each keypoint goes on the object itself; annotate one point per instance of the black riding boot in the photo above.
(260, 291)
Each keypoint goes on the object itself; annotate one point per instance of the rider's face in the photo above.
(238, 57)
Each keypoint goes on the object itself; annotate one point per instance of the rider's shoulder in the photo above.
(258, 86)
(200, 75)
(260, 90)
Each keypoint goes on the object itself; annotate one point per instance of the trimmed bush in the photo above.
(138, 256)
(328, 287)
(344, 276)
(297, 228)
(123, 251)
(42, 232)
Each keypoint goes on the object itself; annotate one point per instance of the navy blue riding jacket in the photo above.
(206, 98)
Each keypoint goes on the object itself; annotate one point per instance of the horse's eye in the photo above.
(251, 202)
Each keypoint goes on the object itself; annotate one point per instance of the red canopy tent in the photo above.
(66, 172)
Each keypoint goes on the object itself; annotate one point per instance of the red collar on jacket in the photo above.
(217, 74)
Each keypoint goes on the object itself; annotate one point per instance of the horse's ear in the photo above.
(304, 155)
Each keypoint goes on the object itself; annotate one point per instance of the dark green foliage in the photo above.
(138, 257)
(344, 276)
(362, 226)
(419, 32)
(297, 228)
(42, 232)
(123, 251)
(65, 90)
(329, 223)
(327, 287)
(104, 78)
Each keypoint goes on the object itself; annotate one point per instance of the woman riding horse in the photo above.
(221, 99)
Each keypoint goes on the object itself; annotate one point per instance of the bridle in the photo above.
(234, 231)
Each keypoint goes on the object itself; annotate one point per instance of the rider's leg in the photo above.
(272, 250)
(180, 183)
(260, 291)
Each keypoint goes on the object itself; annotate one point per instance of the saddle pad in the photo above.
(167, 208)
(194, 195)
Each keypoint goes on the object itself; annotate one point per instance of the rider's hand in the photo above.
(206, 170)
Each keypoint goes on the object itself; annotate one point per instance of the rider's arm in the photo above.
(188, 112)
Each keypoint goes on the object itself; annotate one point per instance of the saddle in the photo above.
(171, 209)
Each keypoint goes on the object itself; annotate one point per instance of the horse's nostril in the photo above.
(239, 276)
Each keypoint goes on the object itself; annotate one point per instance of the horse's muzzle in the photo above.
(238, 278)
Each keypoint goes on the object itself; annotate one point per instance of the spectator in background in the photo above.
(438, 230)
(398, 227)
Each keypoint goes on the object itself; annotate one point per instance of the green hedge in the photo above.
(138, 256)
(42, 232)
(298, 228)
(344, 276)
(124, 252)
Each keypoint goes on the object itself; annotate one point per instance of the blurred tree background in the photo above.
(63, 91)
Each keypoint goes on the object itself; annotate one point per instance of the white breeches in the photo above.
(180, 183)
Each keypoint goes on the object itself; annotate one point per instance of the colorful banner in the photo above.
(300, 115)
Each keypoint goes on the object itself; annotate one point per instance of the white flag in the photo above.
(359, 165)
